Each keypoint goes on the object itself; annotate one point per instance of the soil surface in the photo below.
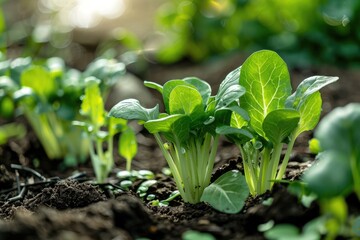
(63, 203)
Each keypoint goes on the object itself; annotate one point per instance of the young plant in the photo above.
(274, 118)
(92, 108)
(48, 95)
(186, 132)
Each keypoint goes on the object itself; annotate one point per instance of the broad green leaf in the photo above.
(340, 130)
(167, 89)
(278, 124)
(186, 100)
(130, 109)
(330, 176)
(92, 104)
(310, 111)
(237, 121)
(227, 193)
(177, 126)
(307, 88)
(154, 85)
(266, 79)
(40, 80)
(128, 144)
(202, 86)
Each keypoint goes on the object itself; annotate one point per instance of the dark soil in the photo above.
(75, 208)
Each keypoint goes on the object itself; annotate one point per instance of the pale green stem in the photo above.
(250, 176)
(263, 168)
(272, 169)
(286, 159)
(170, 162)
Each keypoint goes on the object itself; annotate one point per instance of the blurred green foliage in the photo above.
(303, 32)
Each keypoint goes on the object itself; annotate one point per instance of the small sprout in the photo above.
(126, 184)
(166, 171)
(96, 121)
(146, 174)
(314, 146)
(124, 174)
(150, 197)
(144, 187)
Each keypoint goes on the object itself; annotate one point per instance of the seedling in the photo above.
(186, 132)
(48, 95)
(92, 108)
(274, 118)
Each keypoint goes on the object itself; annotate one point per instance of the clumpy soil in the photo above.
(64, 206)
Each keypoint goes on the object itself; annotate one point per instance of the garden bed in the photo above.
(76, 209)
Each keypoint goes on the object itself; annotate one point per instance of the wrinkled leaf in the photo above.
(306, 88)
(130, 109)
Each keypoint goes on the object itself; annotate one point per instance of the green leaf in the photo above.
(186, 100)
(266, 79)
(92, 104)
(230, 80)
(177, 125)
(168, 88)
(203, 88)
(229, 90)
(130, 109)
(310, 111)
(308, 87)
(155, 86)
(116, 125)
(330, 176)
(340, 130)
(241, 133)
(278, 124)
(39, 79)
(228, 193)
(128, 144)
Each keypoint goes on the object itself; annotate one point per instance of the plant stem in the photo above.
(286, 159)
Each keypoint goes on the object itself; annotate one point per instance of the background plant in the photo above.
(274, 118)
(198, 30)
(48, 94)
(336, 172)
(96, 122)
